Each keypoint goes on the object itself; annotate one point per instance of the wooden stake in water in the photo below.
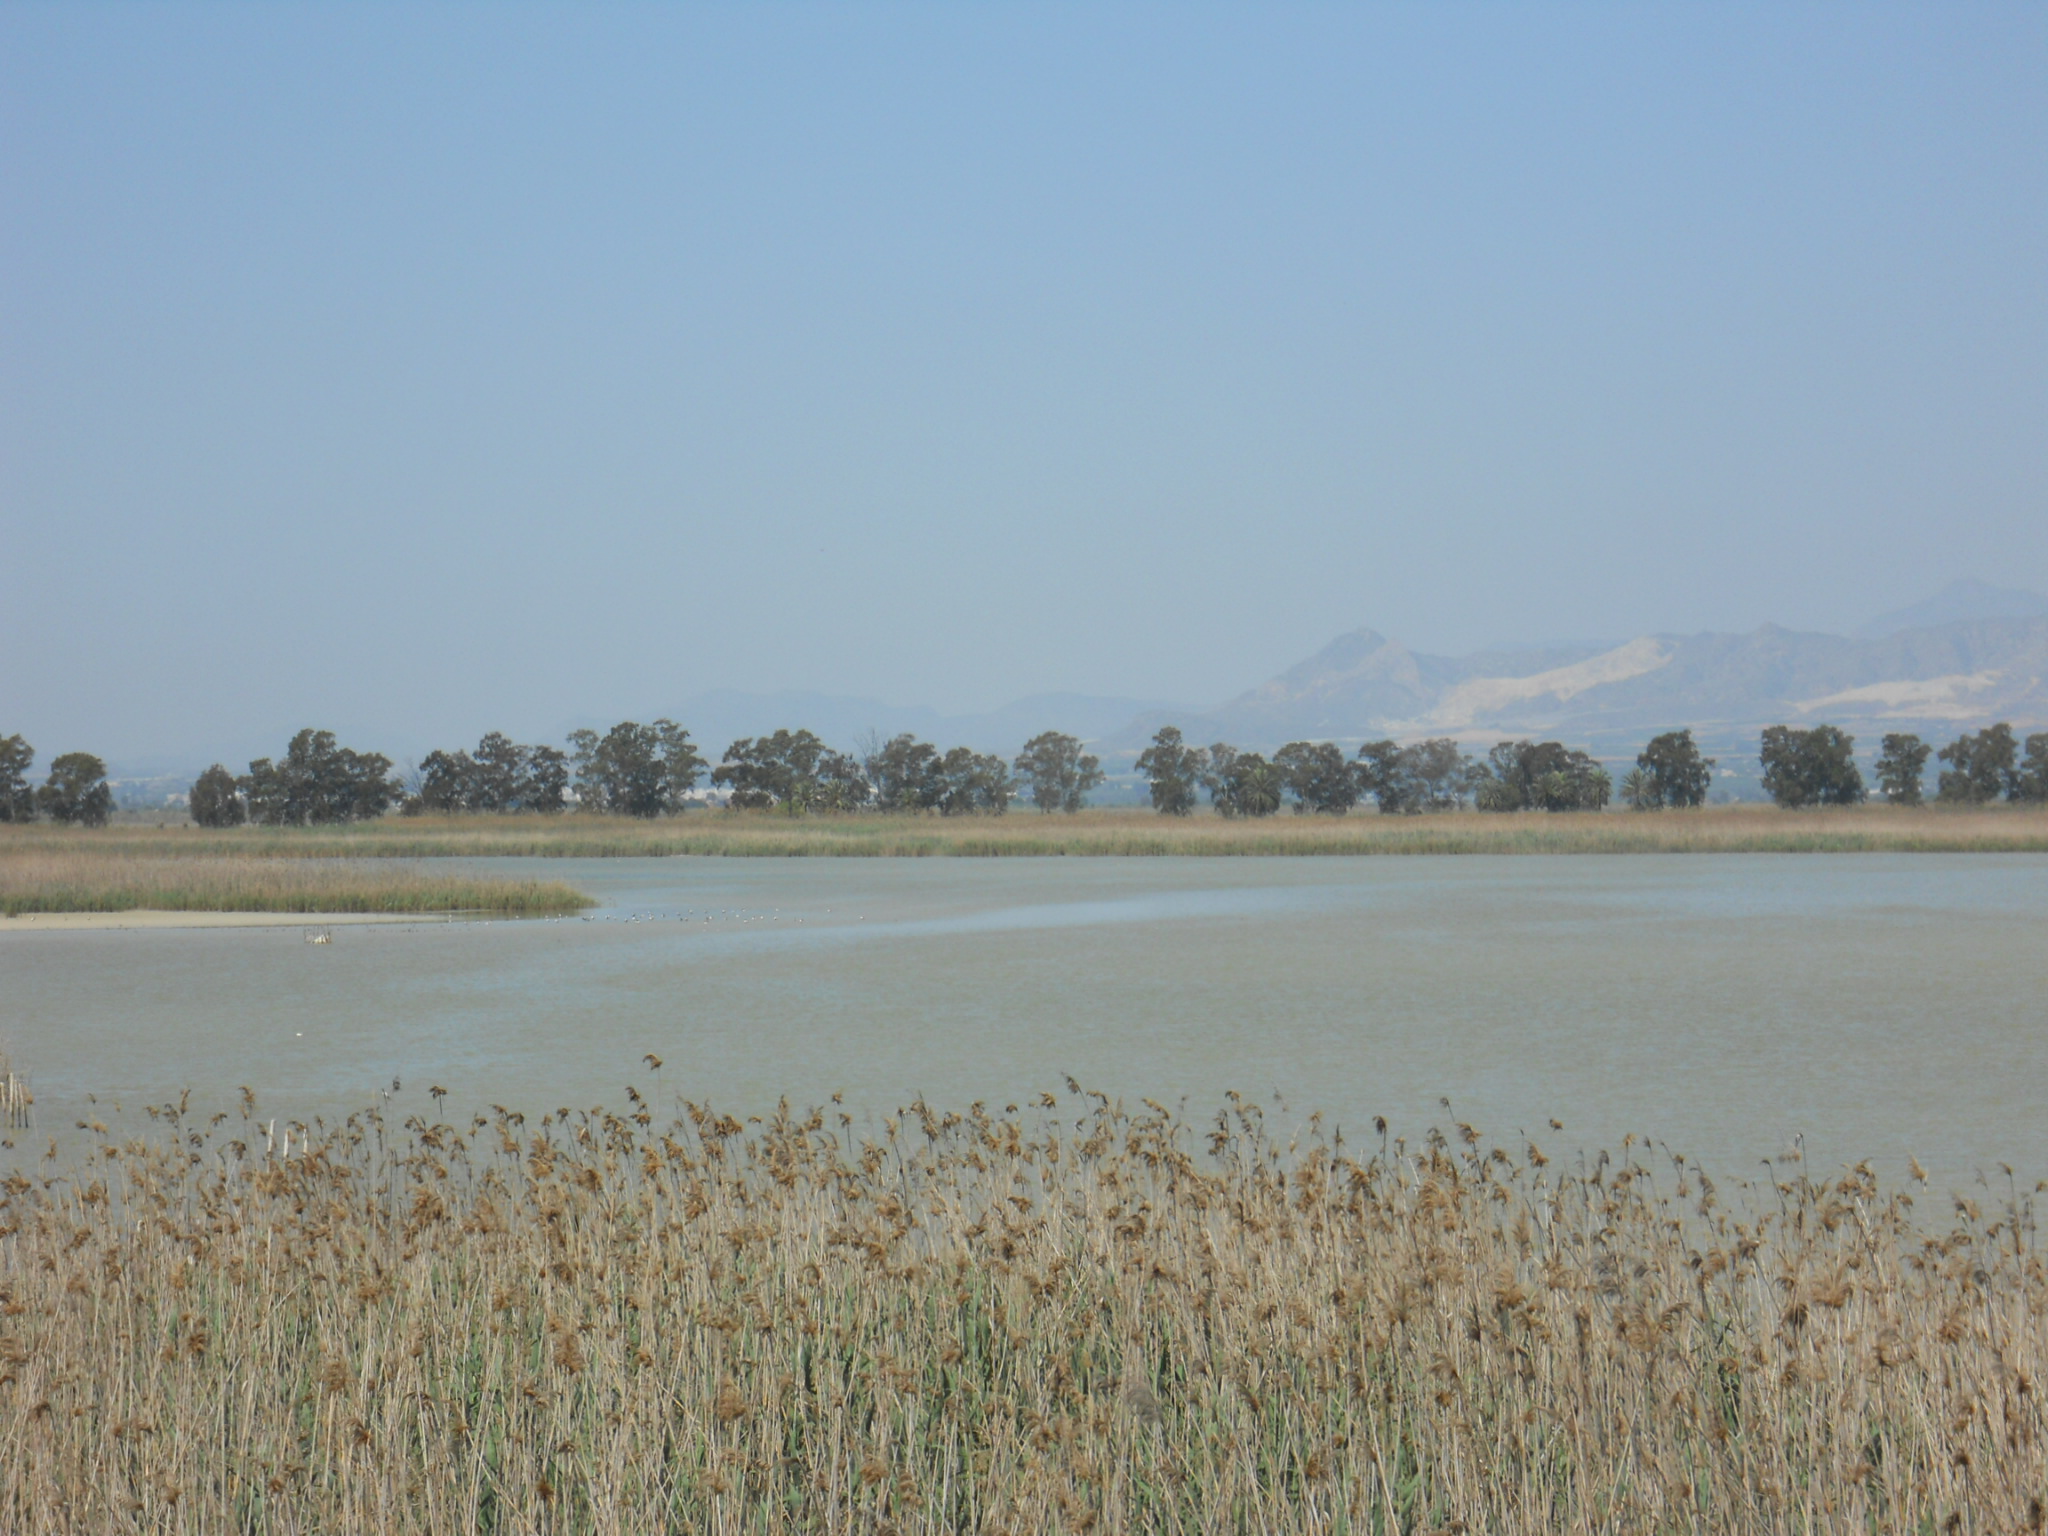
(16, 1102)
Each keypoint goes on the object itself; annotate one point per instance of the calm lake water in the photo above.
(1879, 1005)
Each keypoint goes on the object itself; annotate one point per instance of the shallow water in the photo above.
(1878, 1005)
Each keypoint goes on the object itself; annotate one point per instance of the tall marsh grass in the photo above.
(1075, 1319)
(56, 876)
(1729, 829)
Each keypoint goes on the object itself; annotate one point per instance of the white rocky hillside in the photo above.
(1937, 679)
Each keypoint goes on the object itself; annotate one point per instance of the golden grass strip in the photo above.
(88, 878)
(1083, 1320)
(1730, 829)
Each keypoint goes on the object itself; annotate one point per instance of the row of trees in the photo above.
(654, 770)
(316, 782)
(1801, 767)
(501, 775)
(76, 790)
(1817, 766)
(319, 782)
(1432, 775)
(1425, 775)
(644, 770)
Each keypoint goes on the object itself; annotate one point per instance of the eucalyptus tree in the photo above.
(503, 776)
(447, 783)
(775, 772)
(498, 777)
(973, 783)
(544, 781)
(841, 784)
(1816, 766)
(1218, 758)
(1174, 770)
(1982, 765)
(17, 800)
(906, 774)
(2031, 782)
(1539, 776)
(634, 769)
(1057, 774)
(1384, 776)
(1318, 776)
(318, 782)
(1678, 776)
(76, 792)
(1429, 775)
(1242, 783)
(214, 800)
(1902, 767)
(1440, 774)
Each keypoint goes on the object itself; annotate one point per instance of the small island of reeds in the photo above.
(1075, 1317)
(85, 874)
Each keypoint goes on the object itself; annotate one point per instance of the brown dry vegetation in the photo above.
(1720, 829)
(80, 876)
(1077, 1320)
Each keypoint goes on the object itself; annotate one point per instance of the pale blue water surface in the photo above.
(1879, 1005)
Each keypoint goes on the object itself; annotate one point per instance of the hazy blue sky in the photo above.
(422, 370)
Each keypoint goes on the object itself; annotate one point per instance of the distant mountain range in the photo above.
(1958, 602)
(1970, 655)
(1983, 657)
(1725, 687)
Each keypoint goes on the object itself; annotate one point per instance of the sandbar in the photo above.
(65, 922)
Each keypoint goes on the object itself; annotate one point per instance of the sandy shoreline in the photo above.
(65, 922)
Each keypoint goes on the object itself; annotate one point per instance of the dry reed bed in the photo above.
(1730, 829)
(87, 877)
(1082, 1319)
